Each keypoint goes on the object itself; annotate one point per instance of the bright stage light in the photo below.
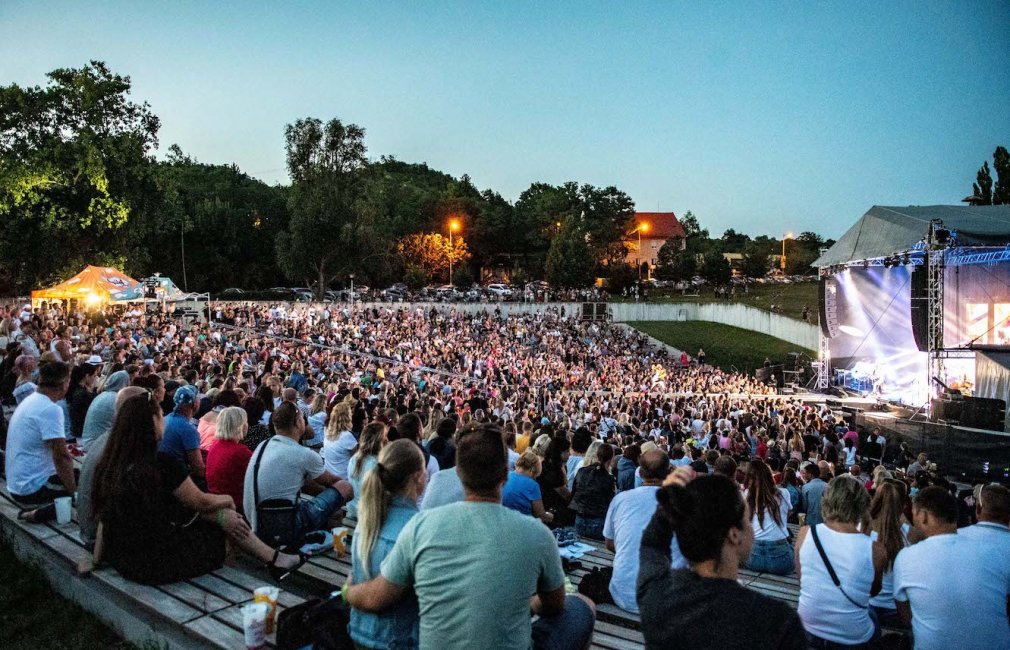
(851, 331)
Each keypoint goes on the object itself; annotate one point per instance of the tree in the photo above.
(570, 260)
(673, 262)
(733, 241)
(74, 168)
(755, 263)
(462, 278)
(325, 236)
(430, 253)
(715, 269)
(1001, 163)
(982, 187)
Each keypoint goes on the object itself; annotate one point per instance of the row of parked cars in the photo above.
(395, 293)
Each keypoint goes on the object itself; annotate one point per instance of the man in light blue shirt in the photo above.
(474, 564)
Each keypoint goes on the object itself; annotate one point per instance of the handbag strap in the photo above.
(256, 472)
(831, 569)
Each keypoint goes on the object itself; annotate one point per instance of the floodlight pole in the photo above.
(823, 349)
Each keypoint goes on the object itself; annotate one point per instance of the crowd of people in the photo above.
(466, 446)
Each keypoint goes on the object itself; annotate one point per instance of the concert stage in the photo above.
(916, 297)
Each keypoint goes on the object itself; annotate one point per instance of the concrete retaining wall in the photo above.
(735, 314)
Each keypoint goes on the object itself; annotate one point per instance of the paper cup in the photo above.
(254, 621)
(340, 535)
(63, 507)
(268, 596)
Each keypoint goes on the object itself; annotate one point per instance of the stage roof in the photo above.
(889, 230)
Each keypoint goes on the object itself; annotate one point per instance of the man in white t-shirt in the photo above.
(992, 509)
(947, 581)
(628, 515)
(39, 467)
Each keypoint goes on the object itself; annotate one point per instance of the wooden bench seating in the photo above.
(205, 612)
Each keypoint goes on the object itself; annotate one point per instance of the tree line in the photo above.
(79, 184)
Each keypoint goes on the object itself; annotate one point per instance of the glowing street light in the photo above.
(642, 227)
(789, 235)
(453, 227)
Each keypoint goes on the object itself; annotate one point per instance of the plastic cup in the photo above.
(63, 508)
(802, 517)
(268, 596)
(254, 622)
(340, 535)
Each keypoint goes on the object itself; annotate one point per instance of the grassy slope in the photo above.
(789, 299)
(725, 346)
(33, 616)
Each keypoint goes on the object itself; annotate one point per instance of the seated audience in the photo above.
(387, 501)
(288, 469)
(703, 606)
(839, 615)
(627, 516)
(522, 492)
(769, 507)
(38, 466)
(461, 558)
(947, 582)
(155, 525)
(228, 458)
(373, 439)
(594, 489)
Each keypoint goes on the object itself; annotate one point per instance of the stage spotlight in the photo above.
(850, 330)
(941, 236)
(866, 264)
(906, 259)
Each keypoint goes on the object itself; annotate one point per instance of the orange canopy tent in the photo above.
(95, 285)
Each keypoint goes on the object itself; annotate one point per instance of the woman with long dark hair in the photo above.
(704, 606)
(155, 525)
(769, 506)
(553, 481)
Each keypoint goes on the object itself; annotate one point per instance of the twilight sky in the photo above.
(763, 117)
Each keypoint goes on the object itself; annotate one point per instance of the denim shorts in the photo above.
(589, 527)
(313, 513)
(771, 557)
(569, 630)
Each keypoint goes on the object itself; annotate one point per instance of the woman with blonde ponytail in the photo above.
(388, 501)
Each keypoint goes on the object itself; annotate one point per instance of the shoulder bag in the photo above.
(275, 518)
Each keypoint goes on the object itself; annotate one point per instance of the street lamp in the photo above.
(642, 227)
(352, 293)
(789, 235)
(453, 227)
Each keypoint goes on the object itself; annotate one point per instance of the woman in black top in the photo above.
(554, 481)
(80, 394)
(155, 525)
(704, 606)
(592, 493)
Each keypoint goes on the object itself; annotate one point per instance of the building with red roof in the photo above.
(655, 228)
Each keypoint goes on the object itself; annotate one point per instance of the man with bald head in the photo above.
(628, 515)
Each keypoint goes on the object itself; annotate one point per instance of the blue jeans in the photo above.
(313, 513)
(589, 527)
(771, 557)
(569, 630)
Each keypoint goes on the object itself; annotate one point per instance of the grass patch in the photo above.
(789, 299)
(725, 346)
(33, 616)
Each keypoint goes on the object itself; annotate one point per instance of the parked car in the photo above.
(233, 290)
(499, 290)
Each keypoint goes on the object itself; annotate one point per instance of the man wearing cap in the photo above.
(102, 411)
(181, 439)
(39, 467)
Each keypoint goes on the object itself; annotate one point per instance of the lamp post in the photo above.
(782, 264)
(351, 296)
(453, 226)
(642, 227)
